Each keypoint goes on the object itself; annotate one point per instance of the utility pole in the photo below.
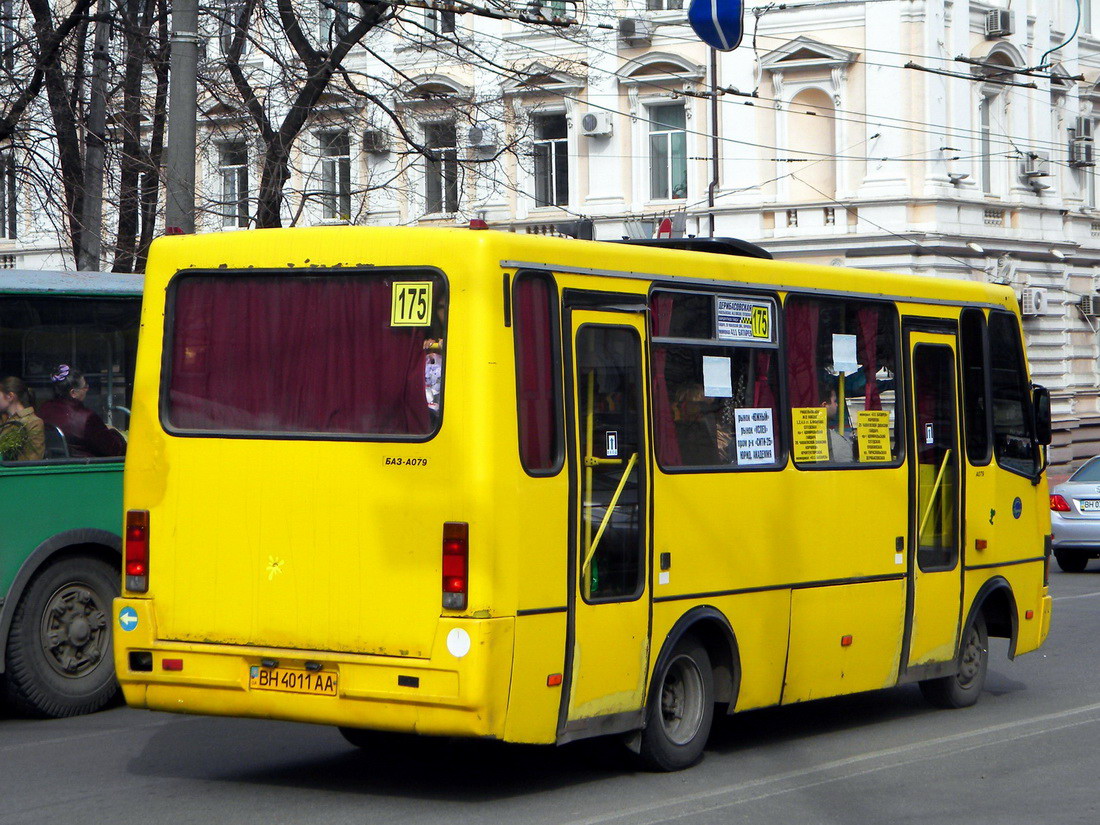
(179, 212)
(90, 248)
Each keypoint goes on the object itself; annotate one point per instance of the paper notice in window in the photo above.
(755, 436)
(717, 379)
(873, 436)
(844, 354)
(811, 434)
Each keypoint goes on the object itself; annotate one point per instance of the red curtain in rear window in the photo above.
(536, 374)
(289, 354)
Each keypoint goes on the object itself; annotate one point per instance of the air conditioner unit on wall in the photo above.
(635, 31)
(375, 142)
(1033, 301)
(1089, 305)
(482, 136)
(596, 124)
(998, 23)
(1082, 130)
(1035, 165)
(1081, 154)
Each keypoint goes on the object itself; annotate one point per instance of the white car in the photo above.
(1075, 517)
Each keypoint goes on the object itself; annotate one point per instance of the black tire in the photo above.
(1071, 562)
(380, 741)
(962, 689)
(59, 650)
(680, 710)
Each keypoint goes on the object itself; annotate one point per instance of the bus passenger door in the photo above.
(934, 570)
(609, 601)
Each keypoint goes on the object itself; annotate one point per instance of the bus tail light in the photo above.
(137, 551)
(456, 564)
(1058, 504)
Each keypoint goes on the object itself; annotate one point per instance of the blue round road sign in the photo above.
(719, 23)
(127, 618)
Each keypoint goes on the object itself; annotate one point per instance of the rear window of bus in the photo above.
(326, 355)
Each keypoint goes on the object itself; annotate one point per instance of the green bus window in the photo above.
(976, 424)
(538, 378)
(715, 402)
(841, 373)
(1013, 441)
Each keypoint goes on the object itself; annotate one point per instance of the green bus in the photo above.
(60, 517)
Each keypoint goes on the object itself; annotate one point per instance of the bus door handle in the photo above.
(610, 509)
(596, 461)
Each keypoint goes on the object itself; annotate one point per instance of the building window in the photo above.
(9, 206)
(230, 24)
(233, 169)
(7, 40)
(551, 161)
(664, 5)
(985, 149)
(335, 176)
(439, 22)
(667, 152)
(333, 20)
(441, 171)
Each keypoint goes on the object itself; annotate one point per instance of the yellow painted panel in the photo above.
(532, 704)
(819, 664)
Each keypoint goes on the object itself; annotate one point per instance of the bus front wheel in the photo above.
(680, 709)
(59, 652)
(961, 690)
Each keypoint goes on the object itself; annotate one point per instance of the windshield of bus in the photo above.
(326, 355)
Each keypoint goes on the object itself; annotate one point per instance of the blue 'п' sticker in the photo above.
(1017, 507)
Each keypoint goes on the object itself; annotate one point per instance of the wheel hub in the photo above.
(682, 700)
(75, 633)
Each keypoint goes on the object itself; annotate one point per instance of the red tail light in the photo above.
(456, 563)
(1059, 504)
(137, 551)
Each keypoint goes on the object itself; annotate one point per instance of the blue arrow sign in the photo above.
(719, 23)
(127, 618)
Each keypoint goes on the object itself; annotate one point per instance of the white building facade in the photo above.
(915, 136)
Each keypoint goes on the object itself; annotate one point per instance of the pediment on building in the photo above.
(656, 67)
(804, 53)
(435, 87)
(538, 77)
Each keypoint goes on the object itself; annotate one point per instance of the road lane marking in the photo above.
(1079, 596)
(909, 754)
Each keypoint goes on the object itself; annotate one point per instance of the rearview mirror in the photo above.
(1041, 404)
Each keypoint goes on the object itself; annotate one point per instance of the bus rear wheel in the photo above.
(680, 710)
(59, 650)
(962, 689)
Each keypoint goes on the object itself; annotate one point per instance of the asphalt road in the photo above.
(1027, 753)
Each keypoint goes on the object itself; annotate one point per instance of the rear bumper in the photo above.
(444, 695)
(1077, 533)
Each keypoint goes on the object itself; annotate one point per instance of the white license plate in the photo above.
(1087, 504)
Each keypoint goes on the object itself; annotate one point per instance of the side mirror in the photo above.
(1040, 397)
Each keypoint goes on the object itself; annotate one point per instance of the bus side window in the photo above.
(841, 373)
(538, 374)
(976, 423)
(1013, 441)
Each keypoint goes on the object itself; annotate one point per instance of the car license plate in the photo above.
(290, 680)
(1088, 504)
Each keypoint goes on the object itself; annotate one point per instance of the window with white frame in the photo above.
(667, 152)
(333, 19)
(335, 176)
(985, 142)
(9, 205)
(441, 168)
(439, 22)
(664, 5)
(230, 24)
(233, 171)
(551, 160)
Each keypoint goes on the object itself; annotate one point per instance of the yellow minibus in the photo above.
(474, 483)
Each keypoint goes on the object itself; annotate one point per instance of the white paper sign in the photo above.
(755, 436)
(717, 379)
(844, 354)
